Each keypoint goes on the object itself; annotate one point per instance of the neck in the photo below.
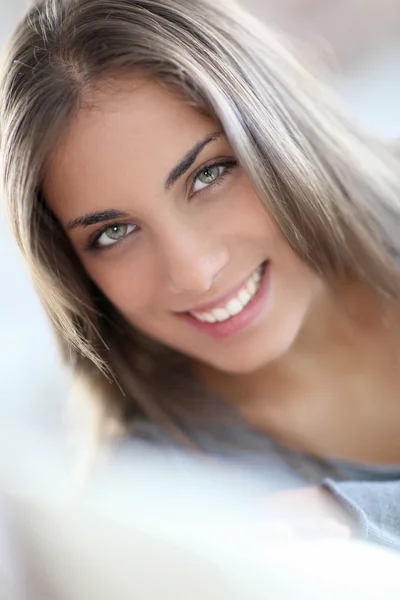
(342, 364)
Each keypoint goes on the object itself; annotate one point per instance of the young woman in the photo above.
(215, 242)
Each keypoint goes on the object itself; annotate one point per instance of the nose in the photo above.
(193, 262)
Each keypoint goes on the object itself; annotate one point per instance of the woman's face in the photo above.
(169, 227)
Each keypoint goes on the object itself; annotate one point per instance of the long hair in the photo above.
(332, 189)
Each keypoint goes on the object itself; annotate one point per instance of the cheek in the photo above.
(248, 215)
(289, 263)
(128, 283)
(296, 282)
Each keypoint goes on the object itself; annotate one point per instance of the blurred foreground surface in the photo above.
(181, 534)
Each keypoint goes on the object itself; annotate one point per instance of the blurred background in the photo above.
(364, 38)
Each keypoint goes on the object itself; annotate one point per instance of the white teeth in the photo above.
(244, 297)
(235, 305)
(210, 318)
(206, 317)
(257, 276)
(252, 287)
(221, 314)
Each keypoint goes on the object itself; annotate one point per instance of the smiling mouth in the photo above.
(236, 303)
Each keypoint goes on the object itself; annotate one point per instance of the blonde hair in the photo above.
(333, 190)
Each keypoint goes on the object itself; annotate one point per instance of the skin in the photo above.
(189, 249)
(324, 356)
(324, 360)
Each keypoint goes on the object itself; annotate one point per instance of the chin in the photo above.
(258, 356)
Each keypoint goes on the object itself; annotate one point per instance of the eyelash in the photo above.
(228, 164)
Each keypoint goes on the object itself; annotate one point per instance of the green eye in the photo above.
(209, 174)
(212, 175)
(114, 234)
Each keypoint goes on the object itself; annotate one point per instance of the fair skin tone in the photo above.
(187, 237)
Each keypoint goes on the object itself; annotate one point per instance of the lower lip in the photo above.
(247, 317)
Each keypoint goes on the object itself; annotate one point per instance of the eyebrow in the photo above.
(93, 218)
(188, 160)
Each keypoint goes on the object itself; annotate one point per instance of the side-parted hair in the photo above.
(333, 189)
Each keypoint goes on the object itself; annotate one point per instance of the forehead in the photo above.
(127, 131)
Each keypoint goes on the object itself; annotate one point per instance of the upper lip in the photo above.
(221, 301)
